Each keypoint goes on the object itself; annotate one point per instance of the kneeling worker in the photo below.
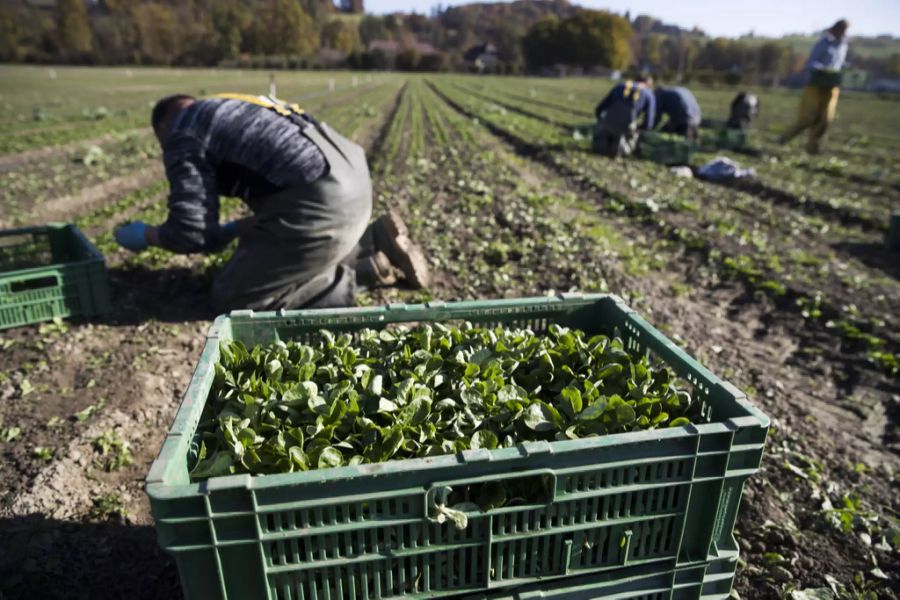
(744, 109)
(682, 110)
(616, 131)
(309, 242)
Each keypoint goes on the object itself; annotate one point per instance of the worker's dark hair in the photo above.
(839, 24)
(164, 106)
(744, 97)
(642, 76)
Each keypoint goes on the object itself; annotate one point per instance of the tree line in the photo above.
(527, 35)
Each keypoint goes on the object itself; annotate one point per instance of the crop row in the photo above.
(751, 246)
(865, 200)
(24, 189)
(105, 115)
(39, 97)
(521, 203)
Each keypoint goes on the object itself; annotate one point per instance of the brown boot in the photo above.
(392, 238)
(376, 271)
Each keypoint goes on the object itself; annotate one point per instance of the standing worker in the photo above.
(616, 131)
(820, 97)
(682, 110)
(309, 242)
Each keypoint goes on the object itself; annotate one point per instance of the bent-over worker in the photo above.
(818, 105)
(682, 110)
(308, 242)
(616, 131)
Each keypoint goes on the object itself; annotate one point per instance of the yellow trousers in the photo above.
(817, 109)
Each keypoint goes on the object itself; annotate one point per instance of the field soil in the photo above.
(498, 216)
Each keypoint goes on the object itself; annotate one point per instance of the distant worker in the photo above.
(820, 97)
(309, 242)
(744, 109)
(616, 131)
(681, 109)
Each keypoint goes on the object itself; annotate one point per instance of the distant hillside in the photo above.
(560, 36)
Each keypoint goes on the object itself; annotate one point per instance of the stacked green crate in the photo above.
(665, 148)
(715, 135)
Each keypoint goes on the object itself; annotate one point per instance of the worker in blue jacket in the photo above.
(681, 109)
(616, 131)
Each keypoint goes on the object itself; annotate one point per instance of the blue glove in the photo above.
(228, 231)
(132, 236)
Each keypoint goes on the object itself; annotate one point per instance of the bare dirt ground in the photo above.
(74, 529)
(91, 197)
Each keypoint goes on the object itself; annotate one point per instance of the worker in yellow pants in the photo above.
(817, 110)
(820, 97)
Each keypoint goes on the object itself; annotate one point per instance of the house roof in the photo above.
(393, 47)
(473, 53)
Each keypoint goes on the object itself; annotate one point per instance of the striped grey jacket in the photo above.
(228, 148)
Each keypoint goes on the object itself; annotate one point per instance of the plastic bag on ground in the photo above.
(722, 169)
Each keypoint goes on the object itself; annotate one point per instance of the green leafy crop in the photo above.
(432, 390)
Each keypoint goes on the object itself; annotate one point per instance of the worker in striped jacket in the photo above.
(309, 242)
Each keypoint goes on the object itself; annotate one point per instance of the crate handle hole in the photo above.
(27, 285)
(488, 493)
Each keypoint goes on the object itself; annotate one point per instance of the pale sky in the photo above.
(764, 17)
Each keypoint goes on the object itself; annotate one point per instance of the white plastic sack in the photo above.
(721, 169)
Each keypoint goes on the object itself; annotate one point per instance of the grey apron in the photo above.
(615, 133)
(302, 244)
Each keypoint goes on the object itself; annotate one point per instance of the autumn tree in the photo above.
(156, 28)
(373, 27)
(10, 37)
(229, 22)
(73, 32)
(114, 32)
(588, 38)
(541, 44)
(282, 27)
(407, 59)
(594, 37)
(342, 35)
(651, 51)
(508, 40)
(774, 60)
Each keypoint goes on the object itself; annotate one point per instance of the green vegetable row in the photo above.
(432, 390)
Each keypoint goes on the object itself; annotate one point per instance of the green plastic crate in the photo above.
(715, 135)
(709, 580)
(658, 499)
(893, 235)
(50, 271)
(825, 78)
(666, 149)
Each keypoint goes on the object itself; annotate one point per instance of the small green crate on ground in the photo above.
(666, 149)
(715, 135)
(893, 234)
(50, 271)
(661, 500)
